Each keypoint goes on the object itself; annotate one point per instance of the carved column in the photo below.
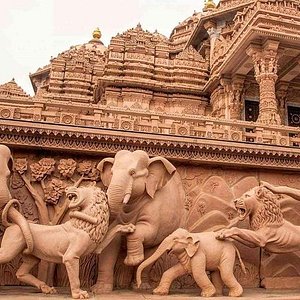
(236, 105)
(265, 68)
(227, 96)
(211, 29)
(233, 92)
(281, 95)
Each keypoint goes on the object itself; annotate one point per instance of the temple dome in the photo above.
(181, 33)
(95, 44)
(74, 71)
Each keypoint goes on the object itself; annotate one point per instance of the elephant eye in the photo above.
(132, 172)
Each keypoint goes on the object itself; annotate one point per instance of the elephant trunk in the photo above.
(10, 212)
(165, 245)
(118, 193)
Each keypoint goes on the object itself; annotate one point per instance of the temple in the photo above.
(219, 98)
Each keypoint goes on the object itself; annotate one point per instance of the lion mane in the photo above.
(98, 209)
(269, 211)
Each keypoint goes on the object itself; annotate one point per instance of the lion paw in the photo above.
(236, 292)
(80, 294)
(129, 228)
(208, 291)
(160, 291)
(224, 234)
(46, 289)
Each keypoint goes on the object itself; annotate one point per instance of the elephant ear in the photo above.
(160, 172)
(104, 166)
(192, 248)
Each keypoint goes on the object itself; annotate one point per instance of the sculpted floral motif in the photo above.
(94, 174)
(5, 113)
(85, 167)
(27, 210)
(17, 181)
(182, 131)
(66, 167)
(201, 208)
(42, 168)
(54, 190)
(126, 125)
(20, 165)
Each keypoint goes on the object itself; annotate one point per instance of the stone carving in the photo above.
(81, 235)
(198, 253)
(7, 203)
(52, 188)
(268, 227)
(46, 180)
(140, 191)
(165, 96)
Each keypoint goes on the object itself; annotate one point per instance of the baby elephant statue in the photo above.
(198, 253)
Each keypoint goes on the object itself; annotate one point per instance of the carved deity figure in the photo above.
(268, 228)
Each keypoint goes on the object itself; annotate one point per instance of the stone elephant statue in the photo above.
(198, 253)
(146, 192)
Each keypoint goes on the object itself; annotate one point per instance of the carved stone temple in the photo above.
(219, 98)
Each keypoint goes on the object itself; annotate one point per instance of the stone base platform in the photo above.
(28, 293)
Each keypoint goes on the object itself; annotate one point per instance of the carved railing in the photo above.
(134, 120)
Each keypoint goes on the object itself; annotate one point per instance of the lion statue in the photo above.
(86, 232)
(269, 229)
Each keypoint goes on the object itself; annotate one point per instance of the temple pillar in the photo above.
(233, 90)
(265, 61)
(281, 95)
(211, 29)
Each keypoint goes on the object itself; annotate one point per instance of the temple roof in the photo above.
(11, 89)
(69, 71)
(139, 36)
(194, 18)
(94, 44)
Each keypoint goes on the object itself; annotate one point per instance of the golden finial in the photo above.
(97, 33)
(209, 5)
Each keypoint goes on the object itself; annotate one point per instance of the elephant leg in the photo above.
(198, 264)
(167, 278)
(226, 270)
(217, 282)
(23, 274)
(135, 247)
(12, 244)
(106, 263)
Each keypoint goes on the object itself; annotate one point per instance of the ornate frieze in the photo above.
(206, 149)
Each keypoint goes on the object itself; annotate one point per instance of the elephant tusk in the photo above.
(126, 198)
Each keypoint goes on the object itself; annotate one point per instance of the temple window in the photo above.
(251, 110)
(293, 115)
